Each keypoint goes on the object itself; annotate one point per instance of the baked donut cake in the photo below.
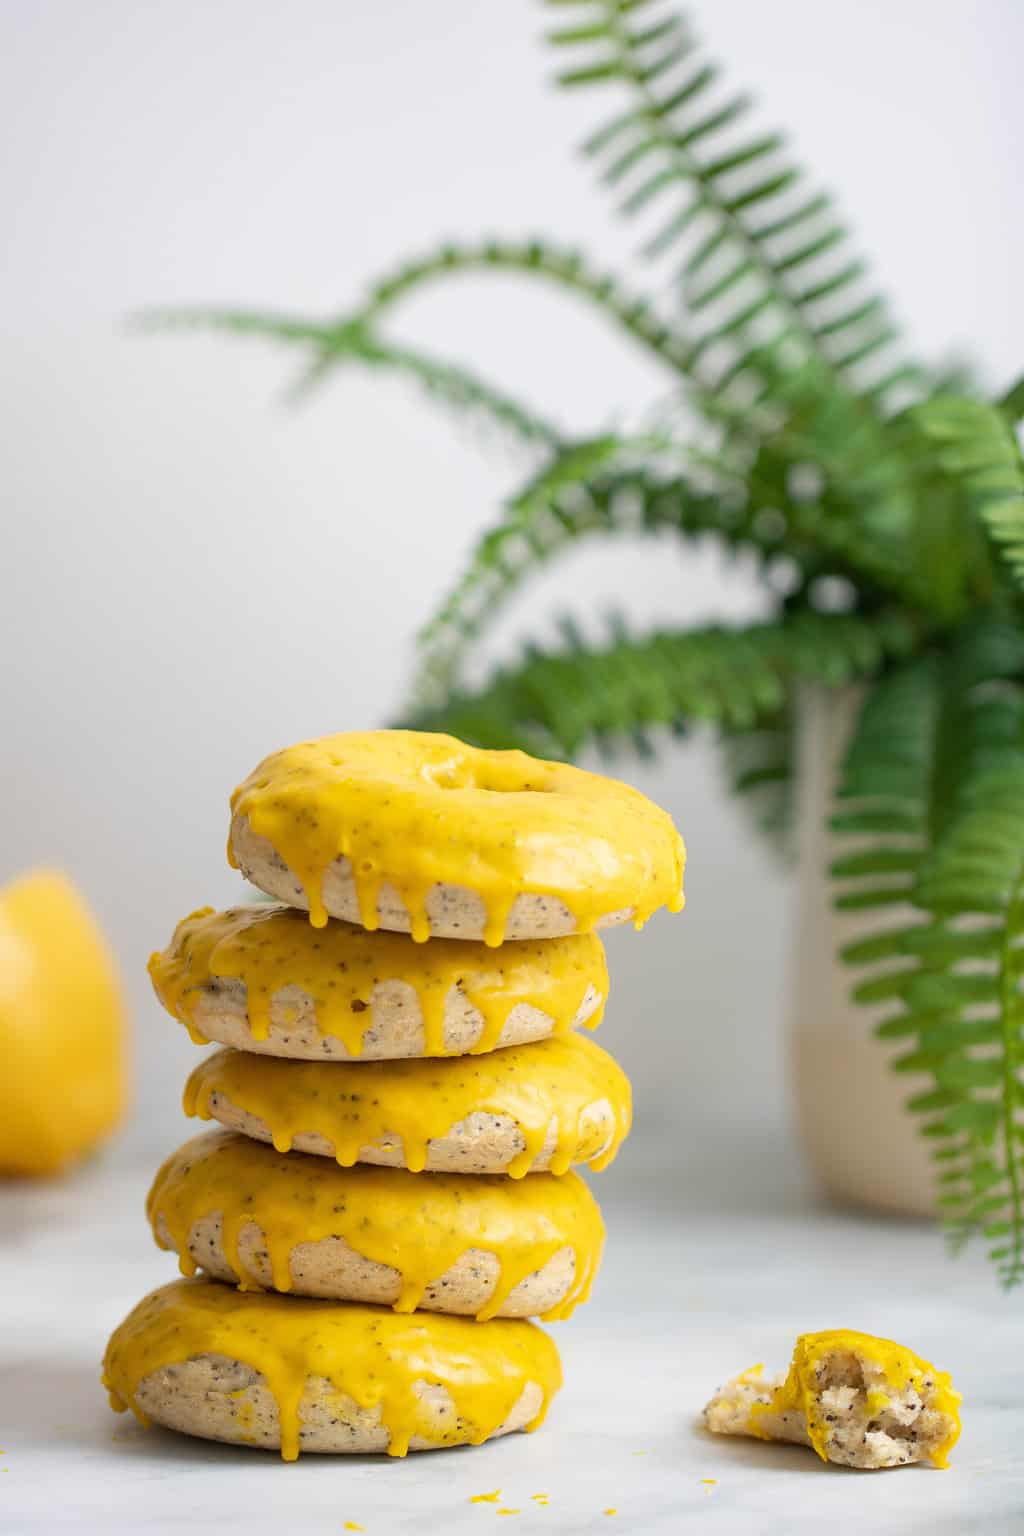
(262, 979)
(483, 1247)
(526, 1109)
(402, 1093)
(855, 1399)
(422, 834)
(288, 1373)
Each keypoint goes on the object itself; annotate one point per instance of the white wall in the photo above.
(193, 574)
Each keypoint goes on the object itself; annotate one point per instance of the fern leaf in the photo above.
(761, 768)
(1012, 402)
(977, 872)
(682, 154)
(977, 449)
(927, 792)
(606, 487)
(329, 345)
(556, 266)
(556, 702)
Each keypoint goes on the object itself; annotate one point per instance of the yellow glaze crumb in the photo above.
(419, 1225)
(342, 969)
(354, 1105)
(63, 1034)
(352, 1525)
(485, 1498)
(417, 810)
(369, 1354)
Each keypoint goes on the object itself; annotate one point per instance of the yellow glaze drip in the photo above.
(340, 967)
(903, 1369)
(353, 1105)
(63, 1035)
(369, 1354)
(416, 810)
(419, 1225)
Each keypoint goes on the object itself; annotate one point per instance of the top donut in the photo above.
(419, 833)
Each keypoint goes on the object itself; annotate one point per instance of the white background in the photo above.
(194, 575)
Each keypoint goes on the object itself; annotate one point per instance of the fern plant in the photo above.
(796, 428)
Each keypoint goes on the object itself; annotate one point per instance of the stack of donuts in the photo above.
(401, 1095)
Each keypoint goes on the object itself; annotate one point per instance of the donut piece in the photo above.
(422, 834)
(289, 1373)
(261, 978)
(527, 1108)
(484, 1247)
(856, 1399)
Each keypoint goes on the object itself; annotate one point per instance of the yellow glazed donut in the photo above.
(528, 1108)
(483, 1247)
(424, 835)
(260, 978)
(289, 1373)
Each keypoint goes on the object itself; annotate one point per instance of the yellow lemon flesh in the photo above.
(62, 1028)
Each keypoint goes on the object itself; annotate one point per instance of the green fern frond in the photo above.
(557, 702)
(760, 766)
(580, 493)
(764, 262)
(328, 344)
(976, 448)
(557, 507)
(557, 266)
(607, 486)
(976, 875)
(1012, 402)
(920, 797)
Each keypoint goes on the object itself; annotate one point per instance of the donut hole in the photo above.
(487, 774)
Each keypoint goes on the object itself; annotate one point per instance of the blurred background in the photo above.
(196, 573)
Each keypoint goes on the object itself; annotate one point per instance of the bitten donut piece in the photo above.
(293, 1374)
(528, 1108)
(856, 1399)
(484, 1247)
(422, 834)
(261, 978)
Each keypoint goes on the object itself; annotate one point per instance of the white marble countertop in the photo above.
(697, 1284)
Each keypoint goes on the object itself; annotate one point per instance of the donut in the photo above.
(530, 1107)
(422, 834)
(291, 1373)
(856, 1399)
(260, 978)
(484, 1247)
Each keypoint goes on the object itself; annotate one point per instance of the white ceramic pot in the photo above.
(863, 1145)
